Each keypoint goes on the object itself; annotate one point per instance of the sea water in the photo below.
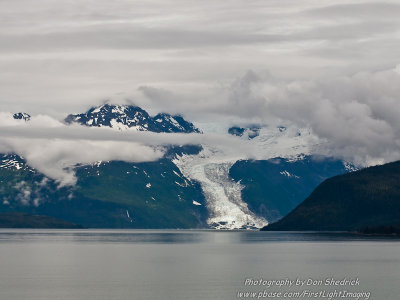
(189, 264)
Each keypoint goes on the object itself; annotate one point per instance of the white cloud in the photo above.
(357, 115)
(57, 157)
(54, 148)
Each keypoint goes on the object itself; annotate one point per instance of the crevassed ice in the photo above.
(223, 196)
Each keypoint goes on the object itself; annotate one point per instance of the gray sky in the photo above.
(328, 65)
(63, 56)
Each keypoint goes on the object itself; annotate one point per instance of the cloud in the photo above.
(363, 10)
(57, 157)
(61, 57)
(356, 114)
(54, 148)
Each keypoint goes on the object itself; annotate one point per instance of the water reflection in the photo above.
(178, 236)
(308, 236)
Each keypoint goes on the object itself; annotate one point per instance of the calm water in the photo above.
(131, 264)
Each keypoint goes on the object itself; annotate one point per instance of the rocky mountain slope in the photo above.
(107, 194)
(272, 188)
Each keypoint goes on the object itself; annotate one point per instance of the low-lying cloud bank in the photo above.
(357, 115)
(351, 117)
(54, 148)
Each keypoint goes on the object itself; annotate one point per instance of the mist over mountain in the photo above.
(194, 180)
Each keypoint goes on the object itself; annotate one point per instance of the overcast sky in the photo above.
(328, 65)
(62, 56)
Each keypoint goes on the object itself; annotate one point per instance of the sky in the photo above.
(63, 56)
(332, 66)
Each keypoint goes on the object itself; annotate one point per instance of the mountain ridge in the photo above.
(124, 117)
(366, 198)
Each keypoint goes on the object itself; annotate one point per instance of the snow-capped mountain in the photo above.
(22, 116)
(250, 132)
(131, 117)
(191, 186)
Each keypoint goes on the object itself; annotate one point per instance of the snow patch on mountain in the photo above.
(289, 175)
(350, 167)
(12, 161)
(292, 143)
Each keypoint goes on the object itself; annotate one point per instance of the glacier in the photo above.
(223, 195)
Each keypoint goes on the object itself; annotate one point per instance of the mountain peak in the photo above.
(22, 116)
(249, 132)
(123, 117)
